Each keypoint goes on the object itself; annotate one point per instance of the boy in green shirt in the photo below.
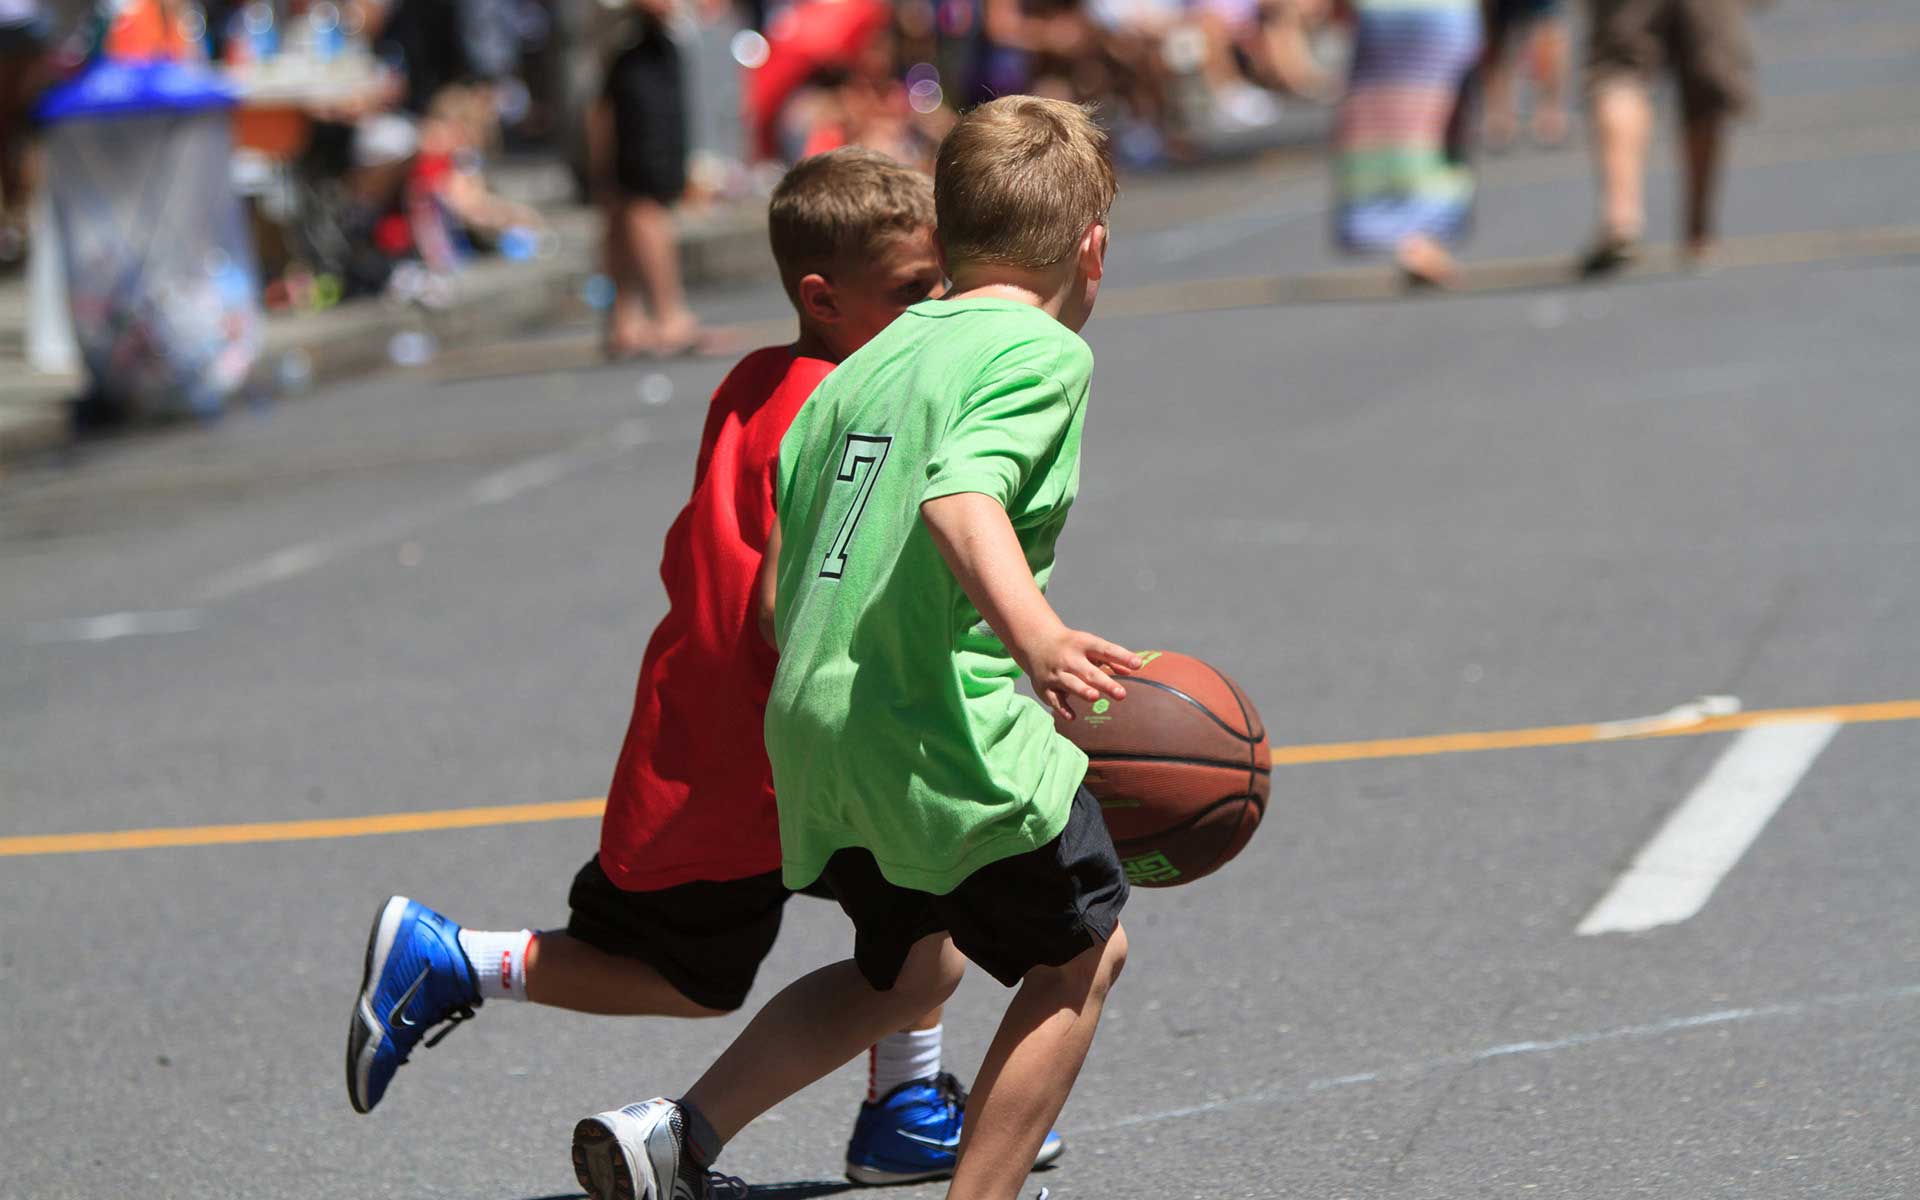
(920, 492)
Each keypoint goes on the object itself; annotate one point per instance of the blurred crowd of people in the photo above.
(403, 99)
(401, 102)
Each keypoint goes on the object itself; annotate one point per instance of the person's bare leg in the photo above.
(929, 1020)
(629, 330)
(1426, 261)
(1705, 140)
(655, 250)
(817, 1024)
(564, 972)
(1622, 128)
(1502, 103)
(1029, 1070)
(1550, 51)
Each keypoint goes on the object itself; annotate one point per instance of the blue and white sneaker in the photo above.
(913, 1133)
(417, 976)
(640, 1153)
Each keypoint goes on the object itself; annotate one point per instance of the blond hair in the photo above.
(841, 207)
(1018, 181)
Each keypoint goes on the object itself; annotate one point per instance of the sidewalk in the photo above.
(492, 298)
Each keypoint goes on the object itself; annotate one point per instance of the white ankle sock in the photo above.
(499, 961)
(902, 1058)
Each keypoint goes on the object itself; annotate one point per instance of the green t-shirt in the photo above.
(894, 724)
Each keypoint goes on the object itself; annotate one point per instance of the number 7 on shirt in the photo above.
(860, 463)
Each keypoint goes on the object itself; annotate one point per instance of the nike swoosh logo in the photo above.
(936, 1143)
(406, 998)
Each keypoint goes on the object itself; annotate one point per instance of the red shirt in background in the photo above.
(692, 796)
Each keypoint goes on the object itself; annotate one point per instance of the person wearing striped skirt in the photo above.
(1402, 180)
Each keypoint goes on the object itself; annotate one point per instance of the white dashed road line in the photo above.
(496, 488)
(1675, 873)
(108, 626)
(1652, 1030)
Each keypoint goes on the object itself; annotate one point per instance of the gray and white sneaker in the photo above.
(640, 1153)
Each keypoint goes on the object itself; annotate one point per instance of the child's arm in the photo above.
(978, 542)
(767, 590)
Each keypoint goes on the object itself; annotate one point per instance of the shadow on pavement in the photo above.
(804, 1190)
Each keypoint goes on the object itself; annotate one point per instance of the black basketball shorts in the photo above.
(1038, 909)
(647, 90)
(707, 939)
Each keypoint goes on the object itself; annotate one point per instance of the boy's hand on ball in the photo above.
(1069, 664)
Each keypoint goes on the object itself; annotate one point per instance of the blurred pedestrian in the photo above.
(1533, 34)
(1283, 55)
(1401, 176)
(437, 44)
(1705, 43)
(640, 137)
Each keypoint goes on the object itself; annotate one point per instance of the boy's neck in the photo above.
(1047, 292)
(812, 344)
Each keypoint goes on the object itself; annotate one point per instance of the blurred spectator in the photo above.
(639, 140)
(1705, 44)
(1166, 73)
(445, 196)
(1401, 173)
(25, 33)
(1232, 34)
(437, 43)
(1102, 50)
(1534, 32)
(1283, 54)
(867, 103)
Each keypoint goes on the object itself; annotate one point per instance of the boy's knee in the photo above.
(1115, 958)
(932, 972)
(1092, 971)
(1111, 960)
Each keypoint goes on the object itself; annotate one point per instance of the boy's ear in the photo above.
(817, 299)
(1093, 250)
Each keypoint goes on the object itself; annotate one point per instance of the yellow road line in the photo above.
(1325, 752)
(1571, 735)
(299, 831)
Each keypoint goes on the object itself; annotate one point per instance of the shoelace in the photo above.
(952, 1089)
(453, 1021)
(726, 1187)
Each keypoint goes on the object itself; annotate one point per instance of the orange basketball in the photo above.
(1181, 768)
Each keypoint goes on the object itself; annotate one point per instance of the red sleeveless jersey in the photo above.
(692, 796)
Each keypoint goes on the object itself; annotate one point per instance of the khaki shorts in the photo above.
(1705, 42)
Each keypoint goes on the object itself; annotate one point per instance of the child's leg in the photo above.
(818, 1023)
(1030, 1068)
(565, 972)
(629, 329)
(904, 1056)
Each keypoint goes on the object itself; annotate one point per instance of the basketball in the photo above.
(1180, 767)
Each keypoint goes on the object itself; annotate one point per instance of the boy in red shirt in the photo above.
(683, 901)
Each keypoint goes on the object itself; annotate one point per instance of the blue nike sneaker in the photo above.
(914, 1131)
(417, 976)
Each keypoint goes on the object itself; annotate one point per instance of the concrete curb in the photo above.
(33, 417)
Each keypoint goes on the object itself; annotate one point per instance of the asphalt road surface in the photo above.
(1575, 960)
